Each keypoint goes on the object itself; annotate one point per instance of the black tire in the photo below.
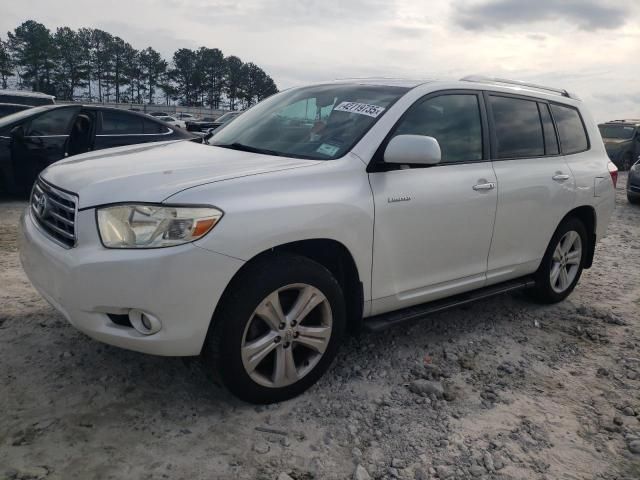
(544, 291)
(633, 199)
(222, 353)
(627, 162)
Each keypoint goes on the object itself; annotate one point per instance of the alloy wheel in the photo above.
(287, 335)
(566, 261)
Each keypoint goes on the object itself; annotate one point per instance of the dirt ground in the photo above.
(501, 389)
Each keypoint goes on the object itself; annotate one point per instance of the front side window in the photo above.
(54, 122)
(121, 123)
(573, 138)
(454, 120)
(321, 122)
(518, 127)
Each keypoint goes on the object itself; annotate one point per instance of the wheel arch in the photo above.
(587, 215)
(331, 254)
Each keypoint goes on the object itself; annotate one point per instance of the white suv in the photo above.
(334, 207)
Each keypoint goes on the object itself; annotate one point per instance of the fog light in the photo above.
(144, 322)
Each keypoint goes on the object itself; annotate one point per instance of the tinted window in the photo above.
(155, 127)
(518, 127)
(550, 139)
(55, 122)
(573, 138)
(453, 120)
(121, 123)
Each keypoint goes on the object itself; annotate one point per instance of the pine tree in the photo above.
(6, 63)
(31, 46)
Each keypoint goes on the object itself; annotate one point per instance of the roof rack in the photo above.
(483, 79)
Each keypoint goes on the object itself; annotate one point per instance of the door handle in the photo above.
(484, 186)
(560, 177)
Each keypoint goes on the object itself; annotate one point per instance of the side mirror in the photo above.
(17, 132)
(209, 134)
(416, 149)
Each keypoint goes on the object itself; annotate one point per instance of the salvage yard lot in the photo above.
(503, 388)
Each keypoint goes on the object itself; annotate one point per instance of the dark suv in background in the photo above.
(622, 141)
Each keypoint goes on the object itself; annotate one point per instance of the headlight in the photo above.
(153, 226)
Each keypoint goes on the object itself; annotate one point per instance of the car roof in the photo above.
(635, 123)
(25, 93)
(474, 81)
(3, 104)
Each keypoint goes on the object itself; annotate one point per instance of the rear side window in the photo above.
(54, 122)
(151, 127)
(550, 139)
(121, 123)
(453, 120)
(518, 127)
(573, 137)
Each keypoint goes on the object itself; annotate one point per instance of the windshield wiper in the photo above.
(248, 148)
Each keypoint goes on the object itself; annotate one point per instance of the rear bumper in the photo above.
(180, 286)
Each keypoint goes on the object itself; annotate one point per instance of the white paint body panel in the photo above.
(447, 239)
(438, 238)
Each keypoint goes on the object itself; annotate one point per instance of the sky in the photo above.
(590, 47)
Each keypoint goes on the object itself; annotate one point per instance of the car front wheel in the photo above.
(278, 329)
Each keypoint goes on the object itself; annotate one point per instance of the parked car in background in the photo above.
(33, 139)
(172, 121)
(24, 97)
(622, 141)
(633, 183)
(9, 108)
(201, 124)
(224, 120)
(185, 116)
(264, 242)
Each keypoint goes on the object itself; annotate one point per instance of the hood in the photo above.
(152, 172)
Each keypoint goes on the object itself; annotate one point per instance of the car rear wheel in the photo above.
(627, 162)
(634, 199)
(277, 330)
(562, 263)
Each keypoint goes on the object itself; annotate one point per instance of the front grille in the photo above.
(55, 212)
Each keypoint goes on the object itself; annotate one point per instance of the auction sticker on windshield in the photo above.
(361, 108)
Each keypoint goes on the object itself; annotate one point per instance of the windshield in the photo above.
(320, 122)
(620, 132)
(16, 117)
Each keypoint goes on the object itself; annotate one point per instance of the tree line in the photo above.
(93, 65)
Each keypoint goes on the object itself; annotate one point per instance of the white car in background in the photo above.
(333, 207)
(173, 121)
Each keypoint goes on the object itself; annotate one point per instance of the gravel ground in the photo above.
(501, 389)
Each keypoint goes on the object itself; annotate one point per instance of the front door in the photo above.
(433, 225)
(44, 142)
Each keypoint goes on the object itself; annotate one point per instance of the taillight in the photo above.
(613, 171)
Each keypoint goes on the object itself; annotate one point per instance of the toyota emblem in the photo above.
(41, 205)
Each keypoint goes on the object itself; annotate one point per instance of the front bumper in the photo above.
(178, 285)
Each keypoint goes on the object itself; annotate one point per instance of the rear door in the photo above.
(433, 225)
(535, 185)
(117, 128)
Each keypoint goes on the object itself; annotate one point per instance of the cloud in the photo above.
(589, 15)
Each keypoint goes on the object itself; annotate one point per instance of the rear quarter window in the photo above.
(573, 136)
